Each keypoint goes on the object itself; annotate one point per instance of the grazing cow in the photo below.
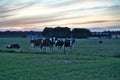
(68, 44)
(59, 43)
(13, 46)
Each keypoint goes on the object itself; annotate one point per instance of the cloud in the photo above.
(93, 22)
(65, 3)
(10, 7)
(38, 19)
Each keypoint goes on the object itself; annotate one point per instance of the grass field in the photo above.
(88, 61)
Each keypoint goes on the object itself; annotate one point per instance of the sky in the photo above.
(35, 15)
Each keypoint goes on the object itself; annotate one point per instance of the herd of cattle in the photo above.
(53, 42)
(42, 43)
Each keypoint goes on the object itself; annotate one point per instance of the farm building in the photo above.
(106, 34)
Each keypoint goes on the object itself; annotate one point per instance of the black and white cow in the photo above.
(59, 44)
(13, 46)
(68, 44)
(47, 42)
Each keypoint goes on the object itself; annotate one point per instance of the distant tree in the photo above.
(47, 32)
(62, 32)
(81, 33)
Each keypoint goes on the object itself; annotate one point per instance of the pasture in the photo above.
(89, 60)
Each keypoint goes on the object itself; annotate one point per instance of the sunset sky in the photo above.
(34, 15)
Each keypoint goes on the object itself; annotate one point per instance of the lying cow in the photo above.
(100, 42)
(13, 46)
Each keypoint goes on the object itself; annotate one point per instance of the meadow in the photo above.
(89, 60)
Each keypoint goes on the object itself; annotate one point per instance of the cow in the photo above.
(13, 46)
(35, 43)
(68, 44)
(42, 43)
(47, 42)
(59, 43)
(100, 42)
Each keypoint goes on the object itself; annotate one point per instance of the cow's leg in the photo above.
(70, 49)
(67, 49)
(32, 46)
(45, 49)
(64, 49)
(51, 48)
(58, 49)
(41, 48)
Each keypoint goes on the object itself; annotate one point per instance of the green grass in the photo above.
(88, 61)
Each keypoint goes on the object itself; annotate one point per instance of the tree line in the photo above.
(65, 32)
(22, 34)
(59, 32)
